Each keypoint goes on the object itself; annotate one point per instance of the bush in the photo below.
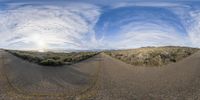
(68, 60)
(55, 57)
(51, 62)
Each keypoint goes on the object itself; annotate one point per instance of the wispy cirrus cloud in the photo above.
(149, 4)
(36, 26)
(150, 35)
(194, 27)
(121, 25)
(152, 24)
(138, 26)
(190, 18)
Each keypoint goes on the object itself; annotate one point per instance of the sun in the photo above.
(39, 41)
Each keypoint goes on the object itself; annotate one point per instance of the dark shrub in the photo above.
(51, 62)
(67, 59)
(55, 57)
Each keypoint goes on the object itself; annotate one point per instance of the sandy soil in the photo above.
(99, 78)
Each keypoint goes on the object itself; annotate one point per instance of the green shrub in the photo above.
(55, 57)
(53, 62)
(68, 60)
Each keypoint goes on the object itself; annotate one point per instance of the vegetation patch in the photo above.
(152, 56)
(51, 58)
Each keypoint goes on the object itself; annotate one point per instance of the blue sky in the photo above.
(86, 24)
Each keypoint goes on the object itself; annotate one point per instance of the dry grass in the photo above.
(51, 58)
(152, 56)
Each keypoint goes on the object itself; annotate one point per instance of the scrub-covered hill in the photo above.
(52, 58)
(152, 56)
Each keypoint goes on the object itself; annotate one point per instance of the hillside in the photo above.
(152, 56)
(52, 58)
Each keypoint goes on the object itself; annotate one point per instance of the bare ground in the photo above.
(99, 78)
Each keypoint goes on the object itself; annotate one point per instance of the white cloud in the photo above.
(140, 34)
(148, 4)
(190, 18)
(70, 26)
(66, 27)
(144, 34)
(194, 28)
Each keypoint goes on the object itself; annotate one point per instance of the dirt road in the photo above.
(179, 81)
(99, 78)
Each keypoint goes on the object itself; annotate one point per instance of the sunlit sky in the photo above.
(98, 24)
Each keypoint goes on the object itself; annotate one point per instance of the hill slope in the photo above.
(153, 56)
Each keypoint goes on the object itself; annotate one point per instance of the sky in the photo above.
(95, 24)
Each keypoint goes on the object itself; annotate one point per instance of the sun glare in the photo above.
(39, 41)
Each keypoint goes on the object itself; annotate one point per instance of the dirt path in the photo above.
(24, 80)
(179, 81)
(100, 78)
